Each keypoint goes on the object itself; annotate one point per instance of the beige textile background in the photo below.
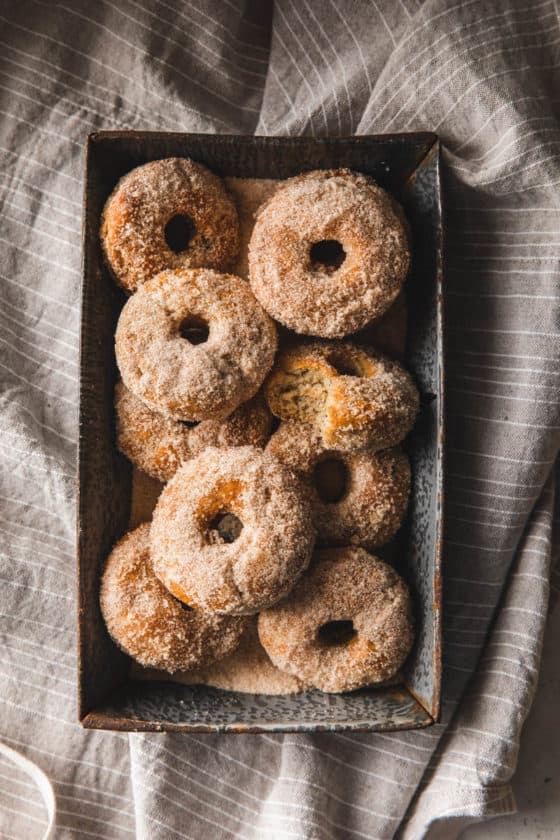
(485, 76)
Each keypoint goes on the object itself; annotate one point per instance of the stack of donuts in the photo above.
(276, 436)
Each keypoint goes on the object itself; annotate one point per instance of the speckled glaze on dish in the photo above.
(406, 165)
(168, 707)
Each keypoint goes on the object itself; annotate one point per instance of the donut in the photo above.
(194, 344)
(148, 623)
(157, 444)
(232, 531)
(346, 624)
(329, 253)
(171, 213)
(354, 396)
(357, 498)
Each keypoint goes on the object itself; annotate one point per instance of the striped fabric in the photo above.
(485, 75)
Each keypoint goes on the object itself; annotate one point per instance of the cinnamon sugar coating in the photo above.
(136, 215)
(346, 624)
(148, 623)
(329, 253)
(355, 397)
(201, 553)
(186, 380)
(357, 498)
(158, 444)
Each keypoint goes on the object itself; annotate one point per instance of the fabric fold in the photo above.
(484, 77)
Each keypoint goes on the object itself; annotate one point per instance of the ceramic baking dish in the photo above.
(408, 165)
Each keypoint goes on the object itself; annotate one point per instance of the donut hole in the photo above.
(225, 527)
(327, 255)
(194, 329)
(336, 633)
(331, 479)
(179, 232)
(345, 365)
(275, 424)
(181, 603)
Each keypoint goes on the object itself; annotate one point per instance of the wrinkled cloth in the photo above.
(484, 76)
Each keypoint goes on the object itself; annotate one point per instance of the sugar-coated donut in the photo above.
(232, 531)
(148, 623)
(347, 623)
(194, 344)
(157, 444)
(357, 498)
(355, 397)
(171, 213)
(329, 253)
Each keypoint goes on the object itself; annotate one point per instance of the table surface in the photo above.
(537, 782)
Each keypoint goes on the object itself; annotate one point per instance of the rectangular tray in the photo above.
(408, 165)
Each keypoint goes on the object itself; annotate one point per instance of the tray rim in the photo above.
(92, 719)
(107, 723)
(269, 139)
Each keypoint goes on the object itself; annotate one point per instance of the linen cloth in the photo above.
(483, 75)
